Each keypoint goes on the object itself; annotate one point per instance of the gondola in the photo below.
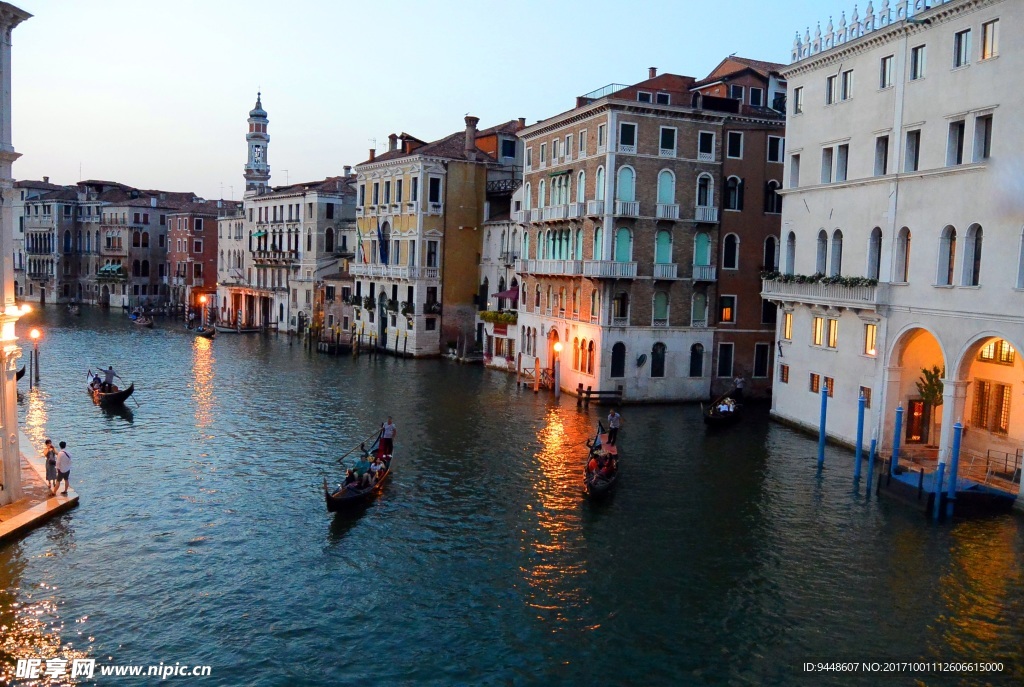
(599, 485)
(237, 330)
(112, 398)
(21, 372)
(74, 310)
(205, 332)
(715, 415)
(342, 500)
(144, 321)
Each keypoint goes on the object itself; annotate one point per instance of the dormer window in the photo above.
(663, 99)
(643, 97)
(735, 92)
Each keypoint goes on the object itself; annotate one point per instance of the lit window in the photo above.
(784, 374)
(870, 339)
(990, 39)
(819, 330)
(787, 326)
(833, 333)
(815, 385)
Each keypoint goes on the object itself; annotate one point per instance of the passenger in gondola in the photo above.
(96, 383)
(376, 468)
(609, 469)
(592, 464)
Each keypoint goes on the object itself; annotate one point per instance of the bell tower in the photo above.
(257, 168)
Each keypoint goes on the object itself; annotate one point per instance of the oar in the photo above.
(357, 446)
(137, 405)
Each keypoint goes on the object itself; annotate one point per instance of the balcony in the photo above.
(706, 157)
(830, 295)
(620, 321)
(435, 208)
(553, 213)
(566, 268)
(198, 281)
(575, 210)
(627, 149)
(602, 149)
(704, 273)
(534, 214)
(659, 323)
(274, 256)
(705, 213)
(667, 211)
(359, 212)
(114, 251)
(40, 276)
(508, 258)
(699, 324)
(609, 269)
(33, 250)
(627, 208)
(666, 152)
(595, 208)
(396, 208)
(666, 270)
(410, 207)
(519, 216)
(394, 271)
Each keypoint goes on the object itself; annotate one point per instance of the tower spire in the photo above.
(257, 168)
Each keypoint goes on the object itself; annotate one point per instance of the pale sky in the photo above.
(156, 94)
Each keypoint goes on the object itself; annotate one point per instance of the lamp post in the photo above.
(34, 370)
(202, 315)
(558, 370)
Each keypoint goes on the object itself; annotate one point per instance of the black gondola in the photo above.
(344, 499)
(205, 332)
(144, 322)
(111, 398)
(723, 411)
(596, 478)
(21, 372)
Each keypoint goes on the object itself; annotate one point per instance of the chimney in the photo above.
(392, 143)
(373, 154)
(652, 72)
(471, 123)
(522, 122)
(46, 180)
(348, 170)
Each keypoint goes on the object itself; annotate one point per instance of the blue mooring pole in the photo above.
(871, 462)
(821, 425)
(938, 490)
(896, 441)
(860, 436)
(954, 467)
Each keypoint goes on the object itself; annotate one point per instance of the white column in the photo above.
(890, 401)
(954, 400)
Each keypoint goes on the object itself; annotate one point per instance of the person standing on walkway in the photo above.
(387, 438)
(64, 468)
(739, 383)
(50, 455)
(614, 423)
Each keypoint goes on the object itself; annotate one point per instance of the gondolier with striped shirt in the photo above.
(387, 438)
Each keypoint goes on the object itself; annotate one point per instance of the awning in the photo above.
(510, 293)
(560, 173)
(259, 234)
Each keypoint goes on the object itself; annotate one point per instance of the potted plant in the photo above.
(929, 387)
(392, 305)
(368, 302)
(434, 307)
(408, 309)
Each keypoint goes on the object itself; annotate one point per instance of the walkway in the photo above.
(36, 505)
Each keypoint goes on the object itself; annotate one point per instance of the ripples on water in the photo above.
(723, 558)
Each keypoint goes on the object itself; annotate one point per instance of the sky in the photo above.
(156, 94)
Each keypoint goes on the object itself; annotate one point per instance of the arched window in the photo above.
(821, 261)
(836, 267)
(772, 199)
(734, 193)
(576, 303)
(590, 358)
(78, 241)
(731, 252)
(598, 244)
(705, 190)
(701, 249)
(618, 360)
(666, 187)
(550, 299)
(903, 256)
(625, 187)
(791, 253)
(97, 241)
(696, 360)
(770, 259)
(699, 310)
(595, 305)
(599, 189)
(136, 239)
(579, 244)
(620, 309)
(526, 245)
(145, 268)
(541, 241)
(581, 187)
(541, 190)
(660, 314)
(136, 268)
(875, 253)
(329, 240)
(562, 302)
(972, 256)
(947, 256)
(658, 360)
(88, 242)
(623, 244)
(663, 248)
(67, 240)
(576, 354)
(536, 297)
(145, 239)
(527, 197)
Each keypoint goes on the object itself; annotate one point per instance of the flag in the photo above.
(361, 255)
(383, 244)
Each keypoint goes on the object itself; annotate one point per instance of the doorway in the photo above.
(918, 413)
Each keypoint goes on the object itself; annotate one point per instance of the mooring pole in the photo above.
(821, 425)
(871, 460)
(954, 468)
(860, 436)
(939, 474)
(894, 461)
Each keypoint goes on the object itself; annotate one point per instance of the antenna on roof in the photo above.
(285, 176)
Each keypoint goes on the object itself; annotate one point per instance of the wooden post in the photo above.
(536, 375)
(588, 394)
(519, 365)
(579, 395)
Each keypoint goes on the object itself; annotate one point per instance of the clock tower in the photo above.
(257, 169)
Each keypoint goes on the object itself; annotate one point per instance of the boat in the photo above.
(74, 310)
(722, 412)
(111, 398)
(237, 330)
(205, 332)
(144, 321)
(344, 499)
(597, 484)
(21, 372)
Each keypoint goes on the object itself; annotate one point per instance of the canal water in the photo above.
(724, 559)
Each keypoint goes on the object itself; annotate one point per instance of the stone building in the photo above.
(192, 250)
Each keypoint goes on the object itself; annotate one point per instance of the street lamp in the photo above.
(33, 371)
(558, 370)
(202, 315)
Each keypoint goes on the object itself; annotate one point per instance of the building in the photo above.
(904, 127)
(420, 210)
(498, 300)
(192, 251)
(26, 191)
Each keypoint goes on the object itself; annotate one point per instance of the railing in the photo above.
(705, 213)
(275, 255)
(519, 216)
(706, 157)
(628, 149)
(602, 149)
(620, 321)
(535, 214)
(393, 271)
(40, 276)
(435, 208)
(609, 269)
(553, 267)
(659, 323)
(704, 273)
(699, 324)
(667, 152)
(112, 250)
(198, 281)
(38, 251)
(508, 258)
(595, 207)
(825, 294)
(575, 210)
(503, 186)
(667, 211)
(554, 212)
(665, 270)
(627, 208)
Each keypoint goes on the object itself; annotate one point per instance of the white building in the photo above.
(906, 128)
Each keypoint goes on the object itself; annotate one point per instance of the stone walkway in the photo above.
(36, 505)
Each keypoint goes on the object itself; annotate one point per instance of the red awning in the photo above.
(510, 293)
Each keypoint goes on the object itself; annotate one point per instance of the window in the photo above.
(666, 187)
(787, 326)
(830, 386)
(783, 374)
(769, 312)
(696, 360)
(735, 92)
(734, 144)
(826, 165)
(833, 333)
(727, 309)
(917, 63)
(543, 154)
(583, 143)
(398, 198)
(197, 247)
(627, 137)
(991, 406)
(618, 367)
(508, 147)
(376, 195)
(846, 86)
(756, 96)
(705, 191)
(997, 351)
(842, 160)
(776, 148)
(772, 198)
(947, 256)
(602, 138)
(903, 256)
(431, 254)
(913, 157)
(529, 158)
(972, 256)
(798, 100)
(625, 189)
(643, 97)
(885, 72)
(567, 151)
(830, 89)
(881, 156)
(822, 254)
(961, 48)
(663, 99)
(725, 356)
(815, 385)
(982, 137)
(734, 194)
(819, 331)
(870, 339)
(658, 360)
(990, 39)
(761, 354)
(730, 252)
(794, 171)
(874, 253)
(705, 146)
(955, 143)
(667, 144)
(434, 191)
(836, 267)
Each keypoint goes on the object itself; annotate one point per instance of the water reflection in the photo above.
(36, 402)
(202, 381)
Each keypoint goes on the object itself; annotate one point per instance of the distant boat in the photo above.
(343, 499)
(74, 310)
(144, 322)
(205, 332)
(237, 330)
(111, 398)
(598, 481)
(723, 411)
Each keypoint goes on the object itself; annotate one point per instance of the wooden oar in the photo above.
(358, 445)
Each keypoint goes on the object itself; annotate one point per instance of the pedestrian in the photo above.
(64, 468)
(387, 438)
(738, 383)
(50, 455)
(614, 423)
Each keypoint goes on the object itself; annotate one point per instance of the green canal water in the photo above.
(723, 559)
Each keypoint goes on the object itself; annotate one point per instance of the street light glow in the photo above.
(558, 347)
(35, 334)
(202, 299)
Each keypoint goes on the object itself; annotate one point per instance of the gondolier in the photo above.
(614, 423)
(108, 379)
(387, 437)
